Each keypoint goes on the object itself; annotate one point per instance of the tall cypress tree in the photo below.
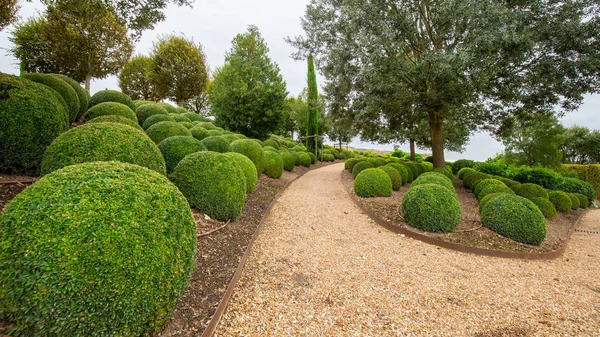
(312, 127)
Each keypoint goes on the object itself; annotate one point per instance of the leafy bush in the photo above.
(182, 118)
(471, 179)
(174, 149)
(488, 197)
(574, 201)
(492, 189)
(429, 159)
(252, 150)
(163, 130)
(485, 183)
(199, 132)
(537, 175)
(156, 119)
(271, 142)
(583, 200)
(313, 158)
(288, 161)
(297, 159)
(431, 207)
(445, 171)
(530, 191)
(463, 172)
(110, 109)
(170, 109)
(216, 144)
(66, 92)
(96, 249)
(188, 125)
(360, 166)
(111, 96)
(399, 153)
(427, 166)
(273, 164)
(115, 119)
(147, 110)
(193, 116)
(213, 183)
(462, 163)
(31, 117)
(102, 142)
(574, 185)
(516, 218)
(546, 206)
(82, 94)
(433, 178)
(561, 200)
(490, 168)
(270, 148)
(415, 168)
(589, 174)
(349, 164)
(304, 159)
(394, 175)
(402, 170)
(210, 126)
(247, 167)
(373, 182)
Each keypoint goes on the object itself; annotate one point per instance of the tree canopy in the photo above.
(8, 12)
(135, 79)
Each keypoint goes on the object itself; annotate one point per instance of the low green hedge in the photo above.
(561, 200)
(431, 207)
(95, 249)
(492, 189)
(247, 167)
(516, 218)
(574, 185)
(146, 110)
(546, 206)
(273, 164)
(163, 130)
(471, 179)
(111, 96)
(156, 119)
(589, 174)
(394, 175)
(112, 109)
(252, 150)
(433, 178)
(358, 167)
(115, 119)
(66, 92)
(530, 191)
(373, 182)
(174, 149)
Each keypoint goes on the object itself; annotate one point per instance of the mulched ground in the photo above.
(469, 232)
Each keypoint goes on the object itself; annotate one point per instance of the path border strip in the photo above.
(18, 182)
(462, 248)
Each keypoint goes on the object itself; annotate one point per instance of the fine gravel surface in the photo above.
(322, 268)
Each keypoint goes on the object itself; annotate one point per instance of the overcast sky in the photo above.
(215, 23)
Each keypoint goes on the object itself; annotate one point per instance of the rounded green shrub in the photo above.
(163, 130)
(445, 171)
(252, 150)
(147, 110)
(394, 175)
(115, 119)
(546, 206)
(82, 94)
(271, 142)
(199, 132)
(216, 144)
(112, 109)
(139, 102)
(288, 161)
(273, 164)
(583, 200)
(210, 126)
(111, 96)
(174, 149)
(102, 142)
(471, 179)
(427, 166)
(402, 170)
(96, 249)
(360, 166)
(193, 116)
(492, 189)
(188, 125)
(304, 159)
(270, 148)
(31, 116)
(214, 132)
(373, 182)
(313, 158)
(574, 185)
(65, 91)
(462, 172)
(462, 163)
(530, 191)
(431, 207)
(561, 200)
(297, 159)
(516, 218)
(485, 199)
(514, 186)
(170, 109)
(247, 167)
(574, 201)
(482, 184)
(415, 168)
(213, 183)
(156, 119)
(433, 178)
(349, 164)
(180, 118)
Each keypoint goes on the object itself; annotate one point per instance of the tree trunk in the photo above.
(437, 141)
(340, 144)
(413, 156)
(88, 80)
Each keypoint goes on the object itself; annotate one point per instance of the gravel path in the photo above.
(322, 268)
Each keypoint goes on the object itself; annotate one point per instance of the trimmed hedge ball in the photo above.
(288, 161)
(546, 206)
(313, 158)
(491, 189)
(163, 130)
(188, 125)
(174, 149)
(102, 142)
(273, 164)
(434, 178)
(269, 148)
(247, 167)
(82, 94)
(415, 169)
(394, 175)
(252, 150)
(363, 165)
(170, 109)
(199, 132)
(62, 88)
(432, 208)
(488, 197)
(445, 171)
(156, 119)
(530, 191)
(111, 96)
(211, 126)
(561, 200)
(115, 119)
(471, 179)
(112, 109)
(271, 142)
(574, 201)
(193, 116)
(516, 218)
(482, 184)
(304, 159)
(180, 118)
(402, 170)
(349, 164)
(583, 200)
(216, 144)
(297, 159)
(147, 110)
(31, 116)
(373, 182)
(140, 102)
(213, 183)
(462, 163)
(96, 249)
(463, 171)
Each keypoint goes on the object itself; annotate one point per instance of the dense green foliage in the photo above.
(199, 132)
(583, 201)
(163, 130)
(482, 184)
(462, 172)
(312, 104)
(534, 141)
(431, 207)
(358, 167)
(213, 183)
(546, 206)
(82, 94)
(111, 96)
(462, 163)
(174, 149)
(115, 119)
(8, 13)
(110, 109)
(530, 191)
(488, 197)
(373, 182)
(394, 175)
(305, 159)
(445, 171)
(470, 179)
(96, 249)
(574, 201)
(493, 189)
(589, 174)
(252, 150)
(66, 92)
(273, 164)
(146, 110)
(135, 79)
(216, 144)
(247, 167)
(415, 168)
(561, 200)
(402, 170)
(156, 119)
(288, 161)
(433, 178)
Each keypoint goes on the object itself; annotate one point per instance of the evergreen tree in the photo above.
(312, 126)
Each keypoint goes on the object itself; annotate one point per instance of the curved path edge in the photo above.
(462, 248)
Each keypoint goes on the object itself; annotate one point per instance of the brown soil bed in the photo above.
(469, 232)
(217, 253)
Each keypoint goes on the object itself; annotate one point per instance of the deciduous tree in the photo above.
(535, 142)
(8, 12)
(135, 79)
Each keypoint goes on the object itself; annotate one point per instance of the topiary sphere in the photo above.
(174, 149)
(433, 178)
(446, 172)
(297, 159)
(31, 117)
(163, 130)
(394, 175)
(216, 144)
(431, 207)
(170, 109)
(373, 182)
(112, 109)
(427, 166)
(139, 102)
(583, 200)
(488, 197)
(180, 118)
(111, 96)
(273, 164)
(96, 249)
(82, 94)
(313, 158)
(530, 191)
(213, 183)
(247, 167)
(471, 179)
(288, 161)
(561, 200)
(304, 159)
(252, 150)
(358, 167)
(270, 148)
(462, 163)
(516, 218)
(402, 170)
(199, 132)
(102, 142)
(463, 171)
(115, 119)
(491, 189)
(485, 183)
(66, 92)
(146, 110)
(546, 207)
(574, 201)
(415, 169)
(214, 132)
(437, 174)
(271, 142)
(188, 125)
(349, 164)
(193, 116)
(210, 126)
(156, 119)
